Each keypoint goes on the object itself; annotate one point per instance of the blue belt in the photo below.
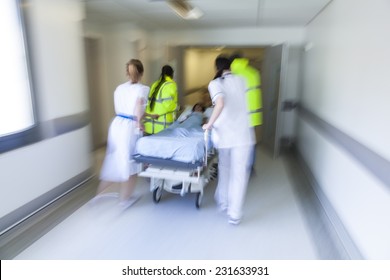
(130, 117)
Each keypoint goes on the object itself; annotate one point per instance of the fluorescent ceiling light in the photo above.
(184, 9)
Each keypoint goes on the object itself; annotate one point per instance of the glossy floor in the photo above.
(275, 226)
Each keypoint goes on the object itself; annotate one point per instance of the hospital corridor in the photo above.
(320, 189)
(277, 225)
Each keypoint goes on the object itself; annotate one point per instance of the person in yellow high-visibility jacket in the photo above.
(162, 103)
(240, 66)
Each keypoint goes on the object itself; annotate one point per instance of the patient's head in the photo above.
(198, 108)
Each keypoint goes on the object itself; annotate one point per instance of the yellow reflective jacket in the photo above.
(240, 66)
(165, 106)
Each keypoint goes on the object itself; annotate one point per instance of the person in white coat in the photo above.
(232, 136)
(130, 99)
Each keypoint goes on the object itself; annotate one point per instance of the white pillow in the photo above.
(187, 111)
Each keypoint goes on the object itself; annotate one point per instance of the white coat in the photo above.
(123, 134)
(231, 129)
(235, 140)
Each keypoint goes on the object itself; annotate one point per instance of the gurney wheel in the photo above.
(157, 193)
(198, 201)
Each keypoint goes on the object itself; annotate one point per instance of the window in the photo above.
(17, 116)
(16, 104)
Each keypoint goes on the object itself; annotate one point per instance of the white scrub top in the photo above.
(122, 134)
(231, 129)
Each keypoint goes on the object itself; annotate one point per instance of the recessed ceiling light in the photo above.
(184, 9)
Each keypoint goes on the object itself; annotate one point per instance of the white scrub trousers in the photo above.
(233, 174)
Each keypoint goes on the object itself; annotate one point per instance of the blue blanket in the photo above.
(182, 141)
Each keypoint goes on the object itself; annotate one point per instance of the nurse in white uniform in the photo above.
(233, 137)
(130, 99)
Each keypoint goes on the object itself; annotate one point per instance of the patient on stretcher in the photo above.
(191, 120)
(197, 108)
(181, 141)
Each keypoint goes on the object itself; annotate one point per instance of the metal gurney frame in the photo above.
(193, 176)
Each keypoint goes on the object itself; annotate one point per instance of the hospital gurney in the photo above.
(177, 160)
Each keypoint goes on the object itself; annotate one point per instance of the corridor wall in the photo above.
(36, 174)
(343, 133)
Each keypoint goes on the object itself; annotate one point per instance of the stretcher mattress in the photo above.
(179, 142)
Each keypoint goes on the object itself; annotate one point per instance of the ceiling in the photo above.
(156, 14)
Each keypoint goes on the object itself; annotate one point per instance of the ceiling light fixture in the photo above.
(184, 9)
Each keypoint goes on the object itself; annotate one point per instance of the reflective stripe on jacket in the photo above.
(240, 66)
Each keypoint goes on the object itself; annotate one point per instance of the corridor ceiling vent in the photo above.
(184, 9)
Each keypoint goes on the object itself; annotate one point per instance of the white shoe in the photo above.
(234, 221)
(103, 195)
(127, 203)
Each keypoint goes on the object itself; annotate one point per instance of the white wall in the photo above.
(94, 31)
(121, 43)
(60, 85)
(293, 37)
(292, 91)
(57, 50)
(346, 83)
(156, 48)
(231, 36)
(199, 68)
